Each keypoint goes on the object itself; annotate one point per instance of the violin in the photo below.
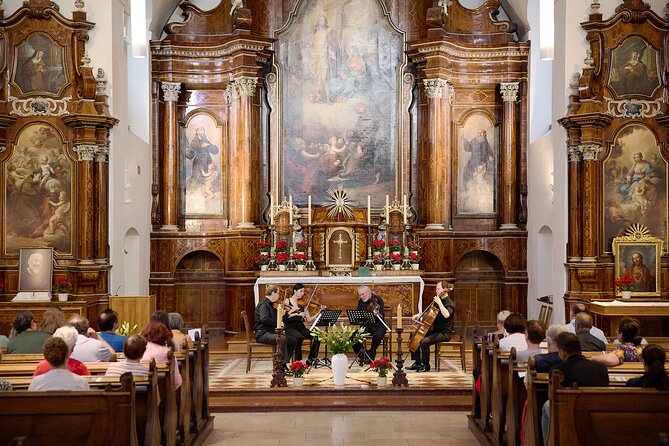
(425, 321)
(311, 302)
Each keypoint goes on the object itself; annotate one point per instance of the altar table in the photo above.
(654, 316)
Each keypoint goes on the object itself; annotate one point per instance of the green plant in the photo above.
(126, 330)
(340, 338)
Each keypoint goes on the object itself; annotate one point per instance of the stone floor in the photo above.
(415, 428)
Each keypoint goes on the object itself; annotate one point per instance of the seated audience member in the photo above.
(27, 338)
(589, 343)
(52, 320)
(159, 338)
(59, 377)
(133, 349)
(176, 323)
(576, 369)
(629, 349)
(89, 346)
(69, 335)
(534, 335)
(571, 326)
(265, 323)
(655, 375)
(162, 317)
(544, 361)
(108, 323)
(499, 333)
(515, 327)
(4, 340)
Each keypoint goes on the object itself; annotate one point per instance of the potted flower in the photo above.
(378, 262)
(300, 259)
(61, 288)
(413, 246)
(395, 246)
(340, 339)
(414, 258)
(381, 366)
(264, 246)
(395, 259)
(378, 246)
(281, 246)
(282, 259)
(263, 260)
(624, 285)
(301, 246)
(298, 368)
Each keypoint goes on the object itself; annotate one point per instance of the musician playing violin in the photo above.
(294, 318)
(265, 323)
(369, 301)
(441, 330)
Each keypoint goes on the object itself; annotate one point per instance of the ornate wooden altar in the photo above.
(295, 98)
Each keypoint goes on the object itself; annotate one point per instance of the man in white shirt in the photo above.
(89, 347)
(571, 326)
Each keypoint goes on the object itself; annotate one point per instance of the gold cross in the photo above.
(340, 241)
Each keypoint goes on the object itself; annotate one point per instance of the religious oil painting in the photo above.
(40, 63)
(35, 269)
(641, 262)
(201, 141)
(635, 184)
(634, 68)
(341, 63)
(38, 191)
(477, 165)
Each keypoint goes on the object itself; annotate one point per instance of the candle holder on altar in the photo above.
(406, 264)
(387, 264)
(291, 266)
(310, 265)
(399, 377)
(278, 373)
(272, 266)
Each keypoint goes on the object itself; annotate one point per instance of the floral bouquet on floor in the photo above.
(381, 366)
(298, 368)
(624, 283)
(62, 286)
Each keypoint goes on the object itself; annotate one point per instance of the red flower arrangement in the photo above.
(395, 258)
(298, 368)
(624, 283)
(381, 366)
(300, 258)
(62, 286)
(414, 257)
(263, 246)
(281, 246)
(379, 244)
(413, 246)
(301, 246)
(281, 258)
(378, 260)
(395, 246)
(262, 259)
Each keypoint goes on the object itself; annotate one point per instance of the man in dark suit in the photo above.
(589, 343)
(265, 323)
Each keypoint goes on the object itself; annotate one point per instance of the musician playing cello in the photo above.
(441, 330)
(372, 302)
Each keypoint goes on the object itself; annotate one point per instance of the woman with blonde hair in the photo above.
(52, 320)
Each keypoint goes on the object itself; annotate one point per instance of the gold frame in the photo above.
(328, 234)
(637, 239)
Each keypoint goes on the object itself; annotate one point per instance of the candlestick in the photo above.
(309, 210)
(271, 209)
(278, 375)
(290, 209)
(369, 210)
(399, 377)
(399, 316)
(387, 210)
(404, 208)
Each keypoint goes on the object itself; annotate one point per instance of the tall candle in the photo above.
(387, 210)
(369, 210)
(404, 206)
(399, 316)
(279, 317)
(290, 212)
(271, 209)
(309, 210)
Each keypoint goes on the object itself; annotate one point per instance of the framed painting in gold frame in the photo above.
(638, 254)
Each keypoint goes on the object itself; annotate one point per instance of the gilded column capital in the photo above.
(102, 154)
(509, 91)
(86, 152)
(171, 91)
(434, 88)
(590, 151)
(574, 154)
(246, 86)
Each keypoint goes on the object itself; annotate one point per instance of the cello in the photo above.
(424, 322)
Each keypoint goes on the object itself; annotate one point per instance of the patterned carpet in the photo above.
(230, 374)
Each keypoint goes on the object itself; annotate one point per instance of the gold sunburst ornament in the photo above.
(341, 206)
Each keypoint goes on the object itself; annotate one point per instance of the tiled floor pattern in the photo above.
(417, 428)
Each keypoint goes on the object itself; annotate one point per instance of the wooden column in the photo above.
(101, 205)
(574, 182)
(170, 193)
(445, 171)
(245, 199)
(86, 202)
(509, 93)
(434, 89)
(589, 192)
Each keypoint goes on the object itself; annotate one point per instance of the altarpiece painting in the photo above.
(635, 184)
(38, 191)
(638, 255)
(477, 165)
(341, 66)
(39, 63)
(634, 68)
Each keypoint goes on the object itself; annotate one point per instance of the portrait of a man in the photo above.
(35, 269)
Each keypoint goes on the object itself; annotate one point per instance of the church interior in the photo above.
(459, 159)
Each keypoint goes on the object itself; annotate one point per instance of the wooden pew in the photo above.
(486, 387)
(477, 351)
(500, 388)
(606, 415)
(70, 418)
(517, 395)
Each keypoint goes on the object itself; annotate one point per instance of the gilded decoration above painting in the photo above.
(635, 184)
(340, 64)
(39, 63)
(38, 191)
(477, 165)
(634, 68)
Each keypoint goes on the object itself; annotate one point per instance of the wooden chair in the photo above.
(460, 343)
(250, 341)
(546, 314)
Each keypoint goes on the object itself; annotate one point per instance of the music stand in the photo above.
(361, 317)
(325, 318)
